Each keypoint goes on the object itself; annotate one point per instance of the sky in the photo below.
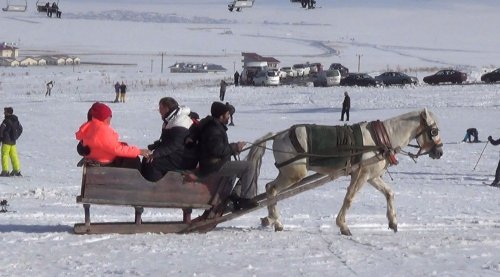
(448, 219)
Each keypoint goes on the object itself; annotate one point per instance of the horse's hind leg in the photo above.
(272, 189)
(379, 184)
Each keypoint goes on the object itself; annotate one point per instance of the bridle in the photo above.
(432, 133)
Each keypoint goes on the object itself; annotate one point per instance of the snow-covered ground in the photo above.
(449, 221)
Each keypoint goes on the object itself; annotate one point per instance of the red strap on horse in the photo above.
(382, 138)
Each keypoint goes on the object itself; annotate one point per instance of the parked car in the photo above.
(344, 71)
(396, 78)
(327, 78)
(267, 78)
(315, 68)
(301, 69)
(446, 76)
(287, 71)
(359, 79)
(248, 73)
(491, 77)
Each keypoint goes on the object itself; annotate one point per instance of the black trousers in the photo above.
(346, 112)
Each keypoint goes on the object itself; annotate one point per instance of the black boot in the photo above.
(242, 203)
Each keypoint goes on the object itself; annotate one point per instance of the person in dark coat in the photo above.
(496, 182)
(471, 132)
(123, 92)
(117, 92)
(236, 78)
(232, 110)
(49, 86)
(223, 86)
(346, 106)
(10, 130)
(170, 152)
(215, 153)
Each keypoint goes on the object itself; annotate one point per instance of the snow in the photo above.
(448, 219)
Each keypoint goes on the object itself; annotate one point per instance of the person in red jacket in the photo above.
(103, 142)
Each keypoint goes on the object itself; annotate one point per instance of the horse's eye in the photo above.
(434, 132)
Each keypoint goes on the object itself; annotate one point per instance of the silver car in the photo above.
(327, 78)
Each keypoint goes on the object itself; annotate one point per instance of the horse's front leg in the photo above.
(357, 181)
(379, 184)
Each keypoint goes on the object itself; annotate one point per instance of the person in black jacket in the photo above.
(346, 105)
(10, 130)
(215, 153)
(496, 182)
(170, 152)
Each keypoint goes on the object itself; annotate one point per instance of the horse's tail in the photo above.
(256, 153)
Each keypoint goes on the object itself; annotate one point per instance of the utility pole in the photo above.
(359, 61)
(162, 62)
(151, 65)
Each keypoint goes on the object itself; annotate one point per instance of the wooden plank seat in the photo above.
(127, 187)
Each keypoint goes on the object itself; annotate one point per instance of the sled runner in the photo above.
(127, 187)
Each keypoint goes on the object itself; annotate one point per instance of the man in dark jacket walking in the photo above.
(10, 131)
(215, 153)
(236, 78)
(346, 105)
(496, 182)
(222, 93)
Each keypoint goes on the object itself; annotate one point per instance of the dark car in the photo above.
(344, 71)
(491, 77)
(396, 78)
(359, 79)
(446, 76)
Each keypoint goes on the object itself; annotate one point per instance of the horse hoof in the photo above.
(346, 232)
(278, 227)
(394, 227)
(265, 222)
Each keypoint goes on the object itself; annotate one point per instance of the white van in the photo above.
(267, 78)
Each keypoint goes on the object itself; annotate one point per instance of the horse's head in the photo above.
(428, 136)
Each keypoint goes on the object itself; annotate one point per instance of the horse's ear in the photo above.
(425, 114)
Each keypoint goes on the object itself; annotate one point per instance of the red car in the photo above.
(446, 76)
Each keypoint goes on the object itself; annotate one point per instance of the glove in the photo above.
(490, 138)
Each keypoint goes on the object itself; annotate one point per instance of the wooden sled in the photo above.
(127, 187)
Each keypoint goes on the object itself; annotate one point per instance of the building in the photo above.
(256, 60)
(28, 61)
(8, 51)
(8, 62)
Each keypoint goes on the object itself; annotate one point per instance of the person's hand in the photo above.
(490, 138)
(241, 145)
(145, 153)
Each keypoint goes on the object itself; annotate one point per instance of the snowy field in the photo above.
(449, 220)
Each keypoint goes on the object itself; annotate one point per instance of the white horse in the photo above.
(381, 141)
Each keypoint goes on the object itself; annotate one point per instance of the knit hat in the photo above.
(100, 111)
(218, 109)
(8, 110)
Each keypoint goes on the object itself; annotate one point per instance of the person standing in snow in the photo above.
(49, 86)
(232, 110)
(117, 92)
(169, 152)
(222, 93)
(346, 106)
(10, 130)
(123, 91)
(496, 182)
(236, 78)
